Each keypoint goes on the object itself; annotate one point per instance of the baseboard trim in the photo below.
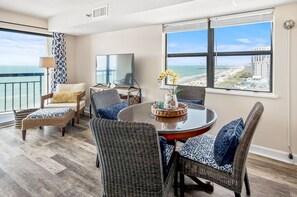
(273, 154)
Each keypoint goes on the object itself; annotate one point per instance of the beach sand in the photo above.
(200, 80)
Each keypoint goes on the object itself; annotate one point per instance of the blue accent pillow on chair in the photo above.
(166, 154)
(226, 142)
(194, 101)
(163, 143)
(111, 112)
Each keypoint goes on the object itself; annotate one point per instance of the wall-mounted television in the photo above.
(115, 69)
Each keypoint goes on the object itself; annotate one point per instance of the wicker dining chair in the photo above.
(130, 159)
(230, 176)
(191, 93)
(101, 100)
(104, 99)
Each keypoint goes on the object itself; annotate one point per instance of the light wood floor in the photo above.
(47, 164)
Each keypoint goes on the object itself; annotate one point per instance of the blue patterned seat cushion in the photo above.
(200, 149)
(49, 113)
(166, 153)
(194, 101)
(226, 142)
(111, 112)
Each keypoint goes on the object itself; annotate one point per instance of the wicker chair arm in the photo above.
(44, 98)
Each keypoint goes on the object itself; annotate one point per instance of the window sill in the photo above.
(165, 87)
(241, 93)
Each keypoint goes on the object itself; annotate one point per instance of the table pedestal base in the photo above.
(201, 186)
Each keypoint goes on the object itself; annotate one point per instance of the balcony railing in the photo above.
(20, 91)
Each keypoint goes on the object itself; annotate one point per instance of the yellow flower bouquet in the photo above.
(170, 99)
(173, 77)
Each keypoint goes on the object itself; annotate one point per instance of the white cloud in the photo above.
(244, 40)
(232, 47)
(19, 49)
(172, 44)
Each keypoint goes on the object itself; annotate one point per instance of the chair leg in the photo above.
(247, 184)
(63, 130)
(237, 194)
(182, 184)
(24, 134)
(97, 161)
(72, 121)
(77, 117)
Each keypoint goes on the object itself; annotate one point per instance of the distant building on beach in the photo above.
(261, 64)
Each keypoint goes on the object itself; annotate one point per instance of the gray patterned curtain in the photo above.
(59, 74)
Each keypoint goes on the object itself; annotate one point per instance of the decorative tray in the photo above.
(180, 111)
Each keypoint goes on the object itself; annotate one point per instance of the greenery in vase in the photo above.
(173, 77)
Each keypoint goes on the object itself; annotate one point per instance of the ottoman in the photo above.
(58, 117)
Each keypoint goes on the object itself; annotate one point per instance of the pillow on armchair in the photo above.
(77, 87)
(65, 97)
(111, 112)
(226, 142)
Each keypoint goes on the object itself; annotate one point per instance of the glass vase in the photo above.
(170, 101)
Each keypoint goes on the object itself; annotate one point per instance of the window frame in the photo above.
(211, 54)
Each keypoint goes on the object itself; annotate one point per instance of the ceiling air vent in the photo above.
(99, 12)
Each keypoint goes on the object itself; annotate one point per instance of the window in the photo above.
(22, 82)
(187, 52)
(230, 52)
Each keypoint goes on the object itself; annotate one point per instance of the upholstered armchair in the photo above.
(80, 102)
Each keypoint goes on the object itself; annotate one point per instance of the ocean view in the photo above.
(20, 92)
(194, 74)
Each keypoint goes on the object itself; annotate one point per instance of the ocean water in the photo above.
(193, 72)
(14, 94)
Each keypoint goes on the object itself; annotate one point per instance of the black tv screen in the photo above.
(115, 69)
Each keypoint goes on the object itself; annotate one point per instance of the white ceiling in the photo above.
(69, 16)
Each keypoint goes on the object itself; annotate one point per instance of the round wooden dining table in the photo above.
(198, 120)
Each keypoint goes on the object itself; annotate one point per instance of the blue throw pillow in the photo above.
(194, 101)
(163, 143)
(226, 142)
(111, 112)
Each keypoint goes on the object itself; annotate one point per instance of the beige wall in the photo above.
(70, 58)
(146, 44)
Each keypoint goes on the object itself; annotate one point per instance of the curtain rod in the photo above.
(24, 25)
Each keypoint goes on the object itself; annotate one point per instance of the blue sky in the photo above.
(21, 49)
(233, 38)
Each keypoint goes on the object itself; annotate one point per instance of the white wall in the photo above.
(146, 44)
